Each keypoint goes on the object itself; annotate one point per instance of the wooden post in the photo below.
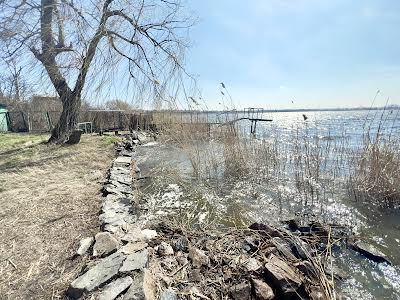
(49, 121)
(24, 121)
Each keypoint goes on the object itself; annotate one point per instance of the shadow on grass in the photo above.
(19, 149)
(19, 163)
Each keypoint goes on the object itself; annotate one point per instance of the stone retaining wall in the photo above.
(119, 251)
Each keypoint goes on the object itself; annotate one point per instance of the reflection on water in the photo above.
(274, 196)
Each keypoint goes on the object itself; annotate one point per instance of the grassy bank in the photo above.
(49, 199)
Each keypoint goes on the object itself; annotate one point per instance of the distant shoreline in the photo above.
(394, 107)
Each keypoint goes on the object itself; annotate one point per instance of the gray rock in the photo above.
(115, 228)
(136, 291)
(134, 235)
(117, 188)
(182, 244)
(133, 247)
(135, 261)
(198, 257)
(134, 135)
(126, 152)
(284, 247)
(369, 251)
(195, 275)
(182, 260)
(121, 178)
(111, 216)
(115, 288)
(136, 169)
(337, 273)
(262, 290)
(282, 275)
(105, 244)
(165, 249)
(149, 234)
(316, 293)
(241, 291)
(84, 245)
(307, 268)
(253, 264)
(96, 276)
(168, 294)
(122, 161)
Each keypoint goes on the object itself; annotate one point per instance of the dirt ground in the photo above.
(49, 200)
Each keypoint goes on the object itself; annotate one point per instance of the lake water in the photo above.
(271, 193)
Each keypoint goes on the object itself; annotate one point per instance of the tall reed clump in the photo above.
(376, 171)
(304, 158)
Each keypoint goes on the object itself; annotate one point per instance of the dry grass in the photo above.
(49, 199)
(377, 174)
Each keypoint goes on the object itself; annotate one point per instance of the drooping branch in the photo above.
(91, 51)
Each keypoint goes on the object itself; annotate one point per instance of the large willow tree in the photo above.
(78, 42)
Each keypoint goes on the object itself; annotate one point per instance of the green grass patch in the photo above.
(109, 140)
(10, 141)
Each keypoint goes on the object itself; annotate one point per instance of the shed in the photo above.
(4, 124)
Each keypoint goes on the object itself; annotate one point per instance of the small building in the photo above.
(4, 118)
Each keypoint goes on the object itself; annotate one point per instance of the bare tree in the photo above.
(14, 87)
(118, 104)
(86, 41)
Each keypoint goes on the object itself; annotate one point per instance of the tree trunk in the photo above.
(68, 119)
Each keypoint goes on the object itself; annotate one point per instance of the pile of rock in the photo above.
(239, 264)
(119, 252)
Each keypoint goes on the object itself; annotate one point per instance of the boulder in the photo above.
(84, 245)
(135, 261)
(262, 290)
(369, 251)
(282, 275)
(103, 271)
(241, 291)
(115, 288)
(105, 244)
(198, 257)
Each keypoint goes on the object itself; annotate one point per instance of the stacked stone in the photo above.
(120, 249)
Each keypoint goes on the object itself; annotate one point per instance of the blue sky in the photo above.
(317, 53)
